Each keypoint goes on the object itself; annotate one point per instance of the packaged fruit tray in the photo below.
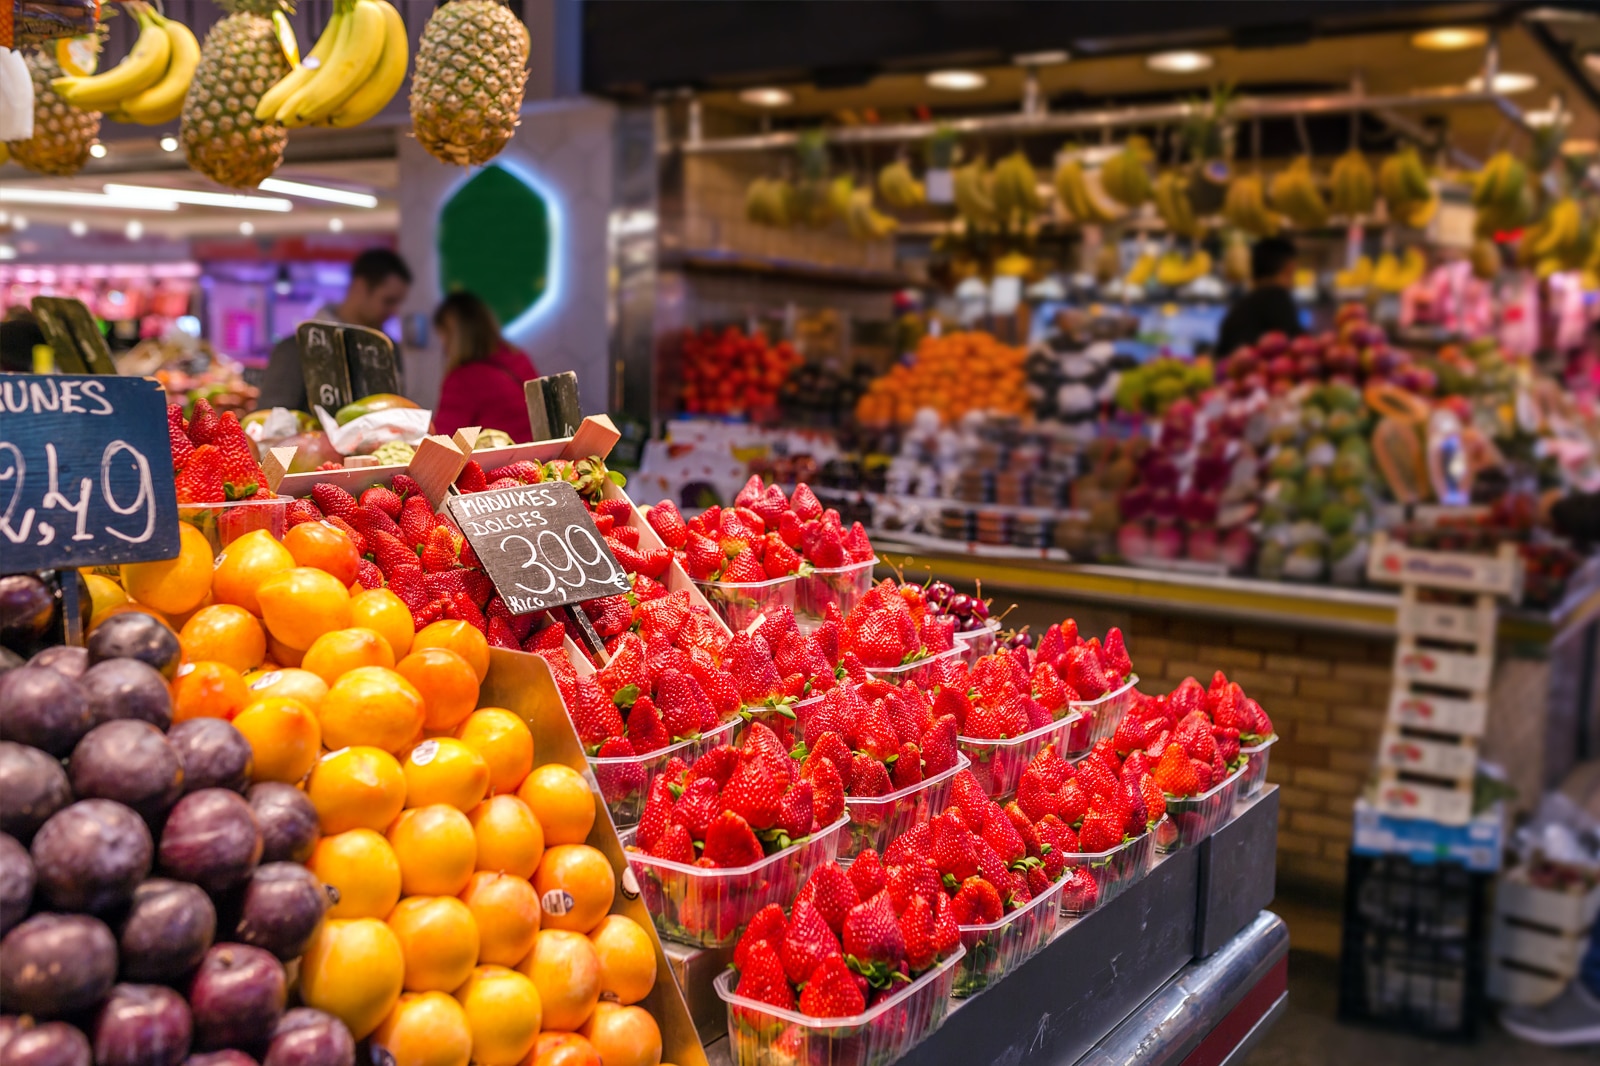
(918, 671)
(875, 821)
(1190, 819)
(996, 948)
(875, 1037)
(1105, 714)
(1112, 872)
(1255, 771)
(625, 782)
(224, 523)
(739, 604)
(709, 907)
(998, 764)
(976, 643)
(842, 585)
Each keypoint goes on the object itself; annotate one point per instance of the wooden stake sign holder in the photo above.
(1443, 665)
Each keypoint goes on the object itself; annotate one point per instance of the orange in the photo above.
(284, 735)
(624, 1036)
(245, 565)
(339, 651)
(507, 912)
(425, 1029)
(356, 788)
(627, 958)
(561, 799)
(575, 884)
(562, 1049)
(362, 869)
(566, 971)
(462, 638)
(290, 681)
(382, 610)
(301, 603)
(178, 619)
(325, 547)
(510, 838)
(448, 684)
(371, 705)
(439, 938)
(353, 969)
(504, 1012)
(504, 742)
(224, 633)
(207, 690)
(436, 850)
(174, 586)
(444, 770)
(281, 654)
(104, 594)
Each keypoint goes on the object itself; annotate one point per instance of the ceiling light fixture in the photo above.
(78, 227)
(956, 81)
(1051, 58)
(19, 223)
(336, 225)
(1450, 38)
(318, 192)
(169, 143)
(766, 96)
(133, 230)
(1182, 61)
(64, 198)
(7, 252)
(1506, 83)
(247, 228)
(97, 150)
(156, 194)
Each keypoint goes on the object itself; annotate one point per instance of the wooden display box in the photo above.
(1237, 877)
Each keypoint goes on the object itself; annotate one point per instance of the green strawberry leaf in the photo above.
(625, 696)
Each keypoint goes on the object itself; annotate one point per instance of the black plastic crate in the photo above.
(1413, 955)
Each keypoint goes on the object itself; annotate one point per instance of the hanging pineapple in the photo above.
(61, 133)
(240, 59)
(466, 91)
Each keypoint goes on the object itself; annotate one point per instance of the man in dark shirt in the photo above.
(1268, 306)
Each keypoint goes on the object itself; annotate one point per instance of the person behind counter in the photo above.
(1268, 307)
(483, 383)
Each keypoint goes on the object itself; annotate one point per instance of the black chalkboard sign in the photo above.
(369, 355)
(322, 364)
(539, 545)
(85, 472)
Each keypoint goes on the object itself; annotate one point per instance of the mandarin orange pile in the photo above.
(470, 920)
(952, 374)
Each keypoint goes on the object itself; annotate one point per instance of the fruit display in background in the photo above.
(149, 85)
(765, 535)
(240, 60)
(466, 91)
(955, 374)
(361, 60)
(1153, 387)
(732, 373)
(62, 133)
(1403, 184)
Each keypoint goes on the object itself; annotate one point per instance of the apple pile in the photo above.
(1355, 352)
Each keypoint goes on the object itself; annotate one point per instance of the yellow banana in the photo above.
(1124, 175)
(354, 58)
(143, 66)
(163, 101)
(1294, 194)
(898, 188)
(1485, 259)
(378, 90)
(1351, 182)
(273, 99)
(1236, 260)
(974, 195)
(1143, 267)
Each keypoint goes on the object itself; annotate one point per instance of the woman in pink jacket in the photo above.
(483, 385)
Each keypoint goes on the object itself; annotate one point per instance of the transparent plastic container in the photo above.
(998, 764)
(1190, 819)
(875, 1037)
(625, 781)
(843, 585)
(740, 604)
(976, 643)
(224, 523)
(1255, 771)
(1105, 713)
(1112, 871)
(709, 908)
(997, 948)
(784, 721)
(918, 671)
(876, 820)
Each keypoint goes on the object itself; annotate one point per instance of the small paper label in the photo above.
(266, 680)
(630, 884)
(424, 753)
(557, 901)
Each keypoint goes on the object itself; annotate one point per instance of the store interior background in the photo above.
(651, 238)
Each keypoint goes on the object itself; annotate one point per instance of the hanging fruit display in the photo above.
(1295, 195)
(62, 133)
(1246, 207)
(1171, 196)
(1015, 190)
(149, 85)
(1403, 182)
(1351, 185)
(240, 59)
(1077, 198)
(1125, 176)
(1503, 194)
(899, 188)
(472, 64)
(974, 192)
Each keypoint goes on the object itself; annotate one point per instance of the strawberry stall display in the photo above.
(222, 490)
(728, 372)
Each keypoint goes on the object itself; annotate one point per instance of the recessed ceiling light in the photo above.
(1506, 82)
(158, 194)
(767, 96)
(318, 192)
(169, 143)
(78, 227)
(956, 81)
(69, 198)
(1450, 38)
(1042, 59)
(133, 230)
(97, 150)
(336, 225)
(1180, 62)
(247, 228)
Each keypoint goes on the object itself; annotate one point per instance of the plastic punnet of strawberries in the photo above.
(764, 536)
(894, 626)
(1089, 668)
(214, 463)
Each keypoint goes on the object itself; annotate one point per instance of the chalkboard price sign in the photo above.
(85, 472)
(540, 546)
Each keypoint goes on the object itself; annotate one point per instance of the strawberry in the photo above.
(383, 499)
(939, 747)
(646, 731)
(440, 552)
(1095, 777)
(416, 521)
(619, 779)
(201, 479)
(619, 509)
(969, 797)
(867, 873)
(907, 880)
(730, 842)
(807, 941)
(667, 521)
(857, 546)
(789, 530)
(1026, 831)
(832, 893)
(1204, 774)
(873, 944)
(753, 490)
(768, 925)
(205, 425)
(761, 978)
(1072, 803)
(407, 581)
(880, 641)
(749, 660)
(779, 559)
(358, 538)
(177, 433)
(1034, 797)
(653, 820)
(804, 503)
(390, 552)
(1155, 804)
(522, 472)
(761, 743)
(611, 615)
(1084, 673)
(1115, 653)
(914, 845)
(1133, 801)
(473, 583)
(868, 777)
(370, 520)
(907, 766)
(703, 558)
(827, 793)
(621, 534)
(916, 925)
(977, 902)
(754, 793)
(430, 612)
(1101, 831)
(682, 702)
(595, 717)
(1080, 893)
(718, 764)
(1001, 835)
(471, 478)
(499, 634)
(1193, 735)
(698, 807)
(745, 568)
(334, 501)
(827, 552)
(796, 812)
(953, 852)
(368, 576)
(831, 991)
(299, 511)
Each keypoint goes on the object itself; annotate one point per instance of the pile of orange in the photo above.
(470, 920)
(952, 374)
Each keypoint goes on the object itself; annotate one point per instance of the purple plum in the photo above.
(237, 997)
(168, 929)
(211, 838)
(57, 964)
(33, 786)
(142, 1025)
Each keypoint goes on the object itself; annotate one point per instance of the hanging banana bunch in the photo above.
(1295, 195)
(1499, 192)
(1175, 270)
(1236, 259)
(1565, 239)
(1016, 191)
(863, 222)
(1392, 275)
(1125, 176)
(974, 193)
(1354, 278)
(1107, 261)
(1485, 258)
(766, 202)
(899, 188)
(1403, 183)
(1353, 193)
(1077, 198)
(148, 86)
(1246, 207)
(1171, 195)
